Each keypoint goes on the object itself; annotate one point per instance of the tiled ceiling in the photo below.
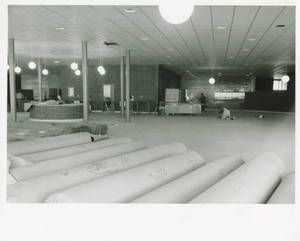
(233, 40)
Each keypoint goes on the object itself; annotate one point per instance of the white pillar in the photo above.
(122, 85)
(84, 81)
(12, 80)
(39, 79)
(127, 74)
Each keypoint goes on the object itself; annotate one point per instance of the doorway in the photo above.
(108, 98)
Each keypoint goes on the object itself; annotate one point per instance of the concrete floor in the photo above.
(246, 136)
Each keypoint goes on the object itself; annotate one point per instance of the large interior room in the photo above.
(151, 104)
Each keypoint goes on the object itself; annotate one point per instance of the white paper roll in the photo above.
(285, 192)
(47, 143)
(61, 163)
(128, 185)
(70, 150)
(39, 188)
(253, 182)
(185, 188)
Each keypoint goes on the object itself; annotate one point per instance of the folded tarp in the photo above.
(39, 188)
(128, 185)
(47, 143)
(185, 188)
(61, 163)
(285, 192)
(70, 150)
(253, 182)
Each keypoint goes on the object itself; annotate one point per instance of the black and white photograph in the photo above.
(169, 103)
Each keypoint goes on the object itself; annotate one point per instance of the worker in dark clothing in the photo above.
(202, 101)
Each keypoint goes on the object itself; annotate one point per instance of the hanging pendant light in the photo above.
(77, 72)
(212, 81)
(18, 69)
(32, 65)
(45, 72)
(177, 13)
(74, 66)
(285, 78)
(101, 70)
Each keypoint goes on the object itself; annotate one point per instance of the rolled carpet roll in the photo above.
(39, 188)
(185, 188)
(10, 179)
(61, 163)
(128, 185)
(65, 151)
(98, 128)
(253, 182)
(47, 143)
(16, 161)
(285, 192)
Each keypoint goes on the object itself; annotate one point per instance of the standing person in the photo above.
(202, 101)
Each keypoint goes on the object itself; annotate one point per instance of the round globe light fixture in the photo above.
(177, 13)
(285, 78)
(74, 66)
(101, 70)
(18, 69)
(45, 72)
(32, 65)
(212, 81)
(77, 72)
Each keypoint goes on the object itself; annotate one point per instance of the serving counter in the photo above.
(56, 112)
(182, 108)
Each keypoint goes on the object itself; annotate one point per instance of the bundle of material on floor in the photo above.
(128, 185)
(62, 163)
(253, 182)
(38, 189)
(47, 143)
(285, 192)
(70, 150)
(185, 188)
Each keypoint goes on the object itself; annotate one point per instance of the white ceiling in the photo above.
(196, 45)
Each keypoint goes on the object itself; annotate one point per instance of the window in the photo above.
(229, 95)
(279, 85)
(70, 91)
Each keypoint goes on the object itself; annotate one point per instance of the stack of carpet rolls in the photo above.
(72, 168)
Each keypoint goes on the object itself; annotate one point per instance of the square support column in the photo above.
(127, 75)
(122, 85)
(12, 79)
(85, 81)
(39, 70)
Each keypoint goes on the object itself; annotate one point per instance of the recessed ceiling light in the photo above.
(221, 27)
(251, 39)
(245, 50)
(144, 38)
(60, 28)
(130, 10)
(56, 61)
